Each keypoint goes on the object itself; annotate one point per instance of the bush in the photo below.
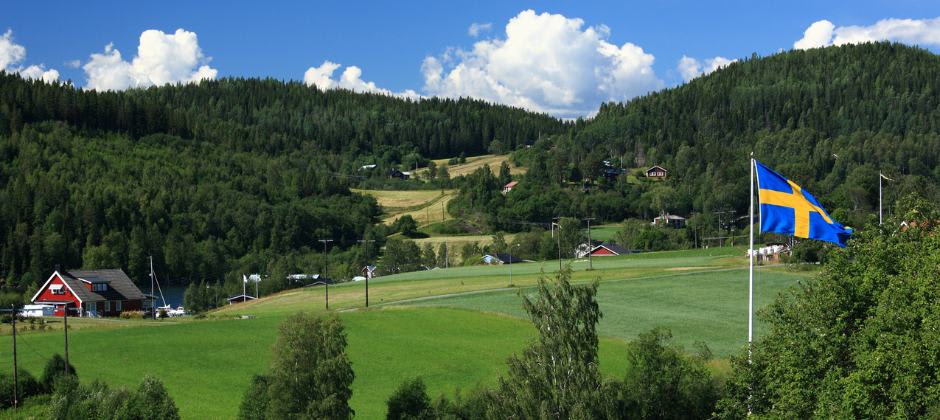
(409, 401)
(132, 315)
(662, 382)
(26, 386)
(255, 401)
(55, 368)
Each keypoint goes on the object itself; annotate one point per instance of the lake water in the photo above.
(172, 294)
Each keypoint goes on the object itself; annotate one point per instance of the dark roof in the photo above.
(507, 259)
(617, 249)
(242, 297)
(120, 287)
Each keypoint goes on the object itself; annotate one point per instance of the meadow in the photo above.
(454, 328)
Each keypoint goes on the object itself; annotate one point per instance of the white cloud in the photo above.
(351, 79)
(819, 34)
(161, 59)
(12, 54)
(40, 72)
(924, 32)
(548, 63)
(476, 29)
(691, 68)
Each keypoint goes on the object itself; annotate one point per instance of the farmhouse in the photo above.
(500, 258)
(669, 220)
(608, 249)
(508, 187)
(656, 172)
(91, 293)
(395, 173)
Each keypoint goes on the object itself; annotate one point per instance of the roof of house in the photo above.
(506, 258)
(242, 297)
(669, 217)
(511, 184)
(616, 249)
(120, 287)
(657, 167)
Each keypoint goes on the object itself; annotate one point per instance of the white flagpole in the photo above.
(750, 282)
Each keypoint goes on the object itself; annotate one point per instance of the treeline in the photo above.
(830, 119)
(272, 117)
(219, 179)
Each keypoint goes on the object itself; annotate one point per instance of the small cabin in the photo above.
(395, 173)
(240, 299)
(669, 220)
(656, 173)
(508, 187)
(500, 258)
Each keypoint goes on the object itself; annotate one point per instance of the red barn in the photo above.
(607, 249)
(92, 293)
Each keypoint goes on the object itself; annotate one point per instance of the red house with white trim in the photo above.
(91, 293)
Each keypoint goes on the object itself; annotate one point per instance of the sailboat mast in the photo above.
(153, 302)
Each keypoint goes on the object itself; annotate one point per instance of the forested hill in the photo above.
(227, 177)
(830, 118)
(269, 116)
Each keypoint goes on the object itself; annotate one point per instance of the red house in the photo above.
(91, 293)
(607, 249)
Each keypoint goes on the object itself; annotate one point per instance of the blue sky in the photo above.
(390, 42)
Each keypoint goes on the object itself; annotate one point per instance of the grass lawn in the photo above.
(452, 342)
(605, 232)
(707, 306)
(206, 365)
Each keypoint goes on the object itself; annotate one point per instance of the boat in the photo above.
(165, 310)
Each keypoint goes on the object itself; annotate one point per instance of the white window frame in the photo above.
(117, 306)
(107, 306)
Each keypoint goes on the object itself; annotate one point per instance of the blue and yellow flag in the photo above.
(785, 208)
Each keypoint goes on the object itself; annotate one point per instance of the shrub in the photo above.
(255, 401)
(26, 386)
(132, 315)
(409, 401)
(55, 368)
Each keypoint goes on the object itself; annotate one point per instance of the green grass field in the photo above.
(709, 307)
(605, 232)
(206, 365)
(455, 328)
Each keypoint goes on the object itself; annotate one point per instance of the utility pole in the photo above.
(446, 256)
(559, 239)
(510, 265)
(368, 272)
(442, 211)
(153, 299)
(13, 310)
(65, 328)
(590, 243)
(326, 269)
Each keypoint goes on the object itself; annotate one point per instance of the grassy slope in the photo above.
(206, 365)
(709, 307)
(476, 162)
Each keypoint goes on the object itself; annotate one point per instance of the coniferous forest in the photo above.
(246, 175)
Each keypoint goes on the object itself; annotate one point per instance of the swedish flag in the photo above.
(785, 208)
